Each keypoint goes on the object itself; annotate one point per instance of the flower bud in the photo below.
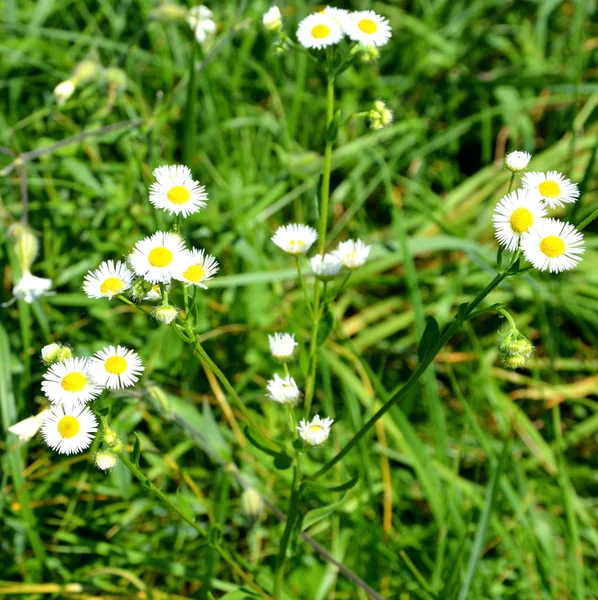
(272, 19)
(380, 116)
(515, 349)
(252, 504)
(165, 313)
(87, 70)
(105, 460)
(517, 161)
(111, 439)
(55, 353)
(26, 245)
(64, 90)
(368, 54)
(281, 47)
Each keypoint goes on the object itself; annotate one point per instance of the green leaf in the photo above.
(325, 328)
(429, 338)
(136, 451)
(282, 461)
(261, 444)
(313, 516)
(343, 487)
(184, 505)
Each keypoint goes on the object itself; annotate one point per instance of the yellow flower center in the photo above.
(300, 244)
(112, 285)
(320, 31)
(552, 246)
(315, 429)
(160, 257)
(521, 220)
(178, 194)
(195, 273)
(368, 26)
(68, 426)
(116, 365)
(74, 382)
(550, 189)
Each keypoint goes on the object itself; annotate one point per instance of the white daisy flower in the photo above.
(53, 353)
(31, 288)
(156, 257)
(108, 280)
(316, 432)
(105, 460)
(70, 381)
(284, 390)
(176, 191)
(367, 27)
(552, 245)
(200, 20)
(517, 160)
(115, 367)
(282, 345)
(196, 267)
(352, 253)
(552, 187)
(295, 239)
(69, 428)
(515, 214)
(272, 19)
(318, 31)
(340, 15)
(27, 428)
(325, 267)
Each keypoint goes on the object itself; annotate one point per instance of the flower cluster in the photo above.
(521, 219)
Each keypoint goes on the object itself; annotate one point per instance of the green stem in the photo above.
(511, 182)
(587, 220)
(313, 350)
(302, 284)
(508, 317)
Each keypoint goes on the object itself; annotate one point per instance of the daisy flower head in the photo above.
(552, 187)
(352, 253)
(200, 20)
(284, 391)
(115, 367)
(196, 267)
(325, 267)
(319, 31)
(295, 239)
(108, 280)
(27, 428)
(553, 245)
(282, 345)
(176, 192)
(316, 431)
(157, 257)
(31, 288)
(517, 160)
(69, 428)
(272, 19)
(340, 15)
(70, 381)
(367, 27)
(515, 214)
(105, 460)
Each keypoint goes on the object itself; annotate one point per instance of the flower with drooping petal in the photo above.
(200, 20)
(352, 253)
(284, 391)
(69, 428)
(27, 428)
(325, 267)
(316, 431)
(282, 345)
(31, 288)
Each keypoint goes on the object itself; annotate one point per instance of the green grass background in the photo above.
(467, 80)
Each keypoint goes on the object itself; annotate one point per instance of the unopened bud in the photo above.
(252, 504)
(87, 70)
(105, 460)
(165, 313)
(517, 160)
(112, 440)
(64, 90)
(515, 350)
(380, 115)
(272, 19)
(168, 12)
(369, 54)
(55, 353)
(26, 245)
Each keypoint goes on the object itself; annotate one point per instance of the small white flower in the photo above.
(325, 267)
(69, 428)
(272, 19)
(552, 245)
(380, 116)
(352, 253)
(196, 267)
(53, 353)
(367, 27)
(27, 428)
(515, 214)
(340, 15)
(316, 432)
(282, 345)
(30, 288)
(176, 191)
(517, 160)
(115, 367)
(157, 257)
(318, 31)
(155, 294)
(105, 460)
(108, 280)
(70, 381)
(63, 91)
(200, 20)
(284, 390)
(552, 187)
(295, 239)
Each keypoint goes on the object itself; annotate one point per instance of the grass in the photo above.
(480, 483)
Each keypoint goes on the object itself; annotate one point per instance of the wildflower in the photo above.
(284, 390)
(295, 239)
(155, 293)
(69, 428)
(552, 187)
(70, 381)
(515, 214)
(64, 90)
(105, 460)
(325, 267)
(552, 245)
(156, 257)
(165, 313)
(30, 288)
(340, 15)
(111, 439)
(108, 280)
(200, 21)
(282, 345)
(196, 267)
(27, 428)
(367, 27)
(316, 432)
(352, 253)
(54, 353)
(319, 31)
(517, 160)
(380, 116)
(252, 504)
(176, 191)
(272, 19)
(115, 367)
(25, 245)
